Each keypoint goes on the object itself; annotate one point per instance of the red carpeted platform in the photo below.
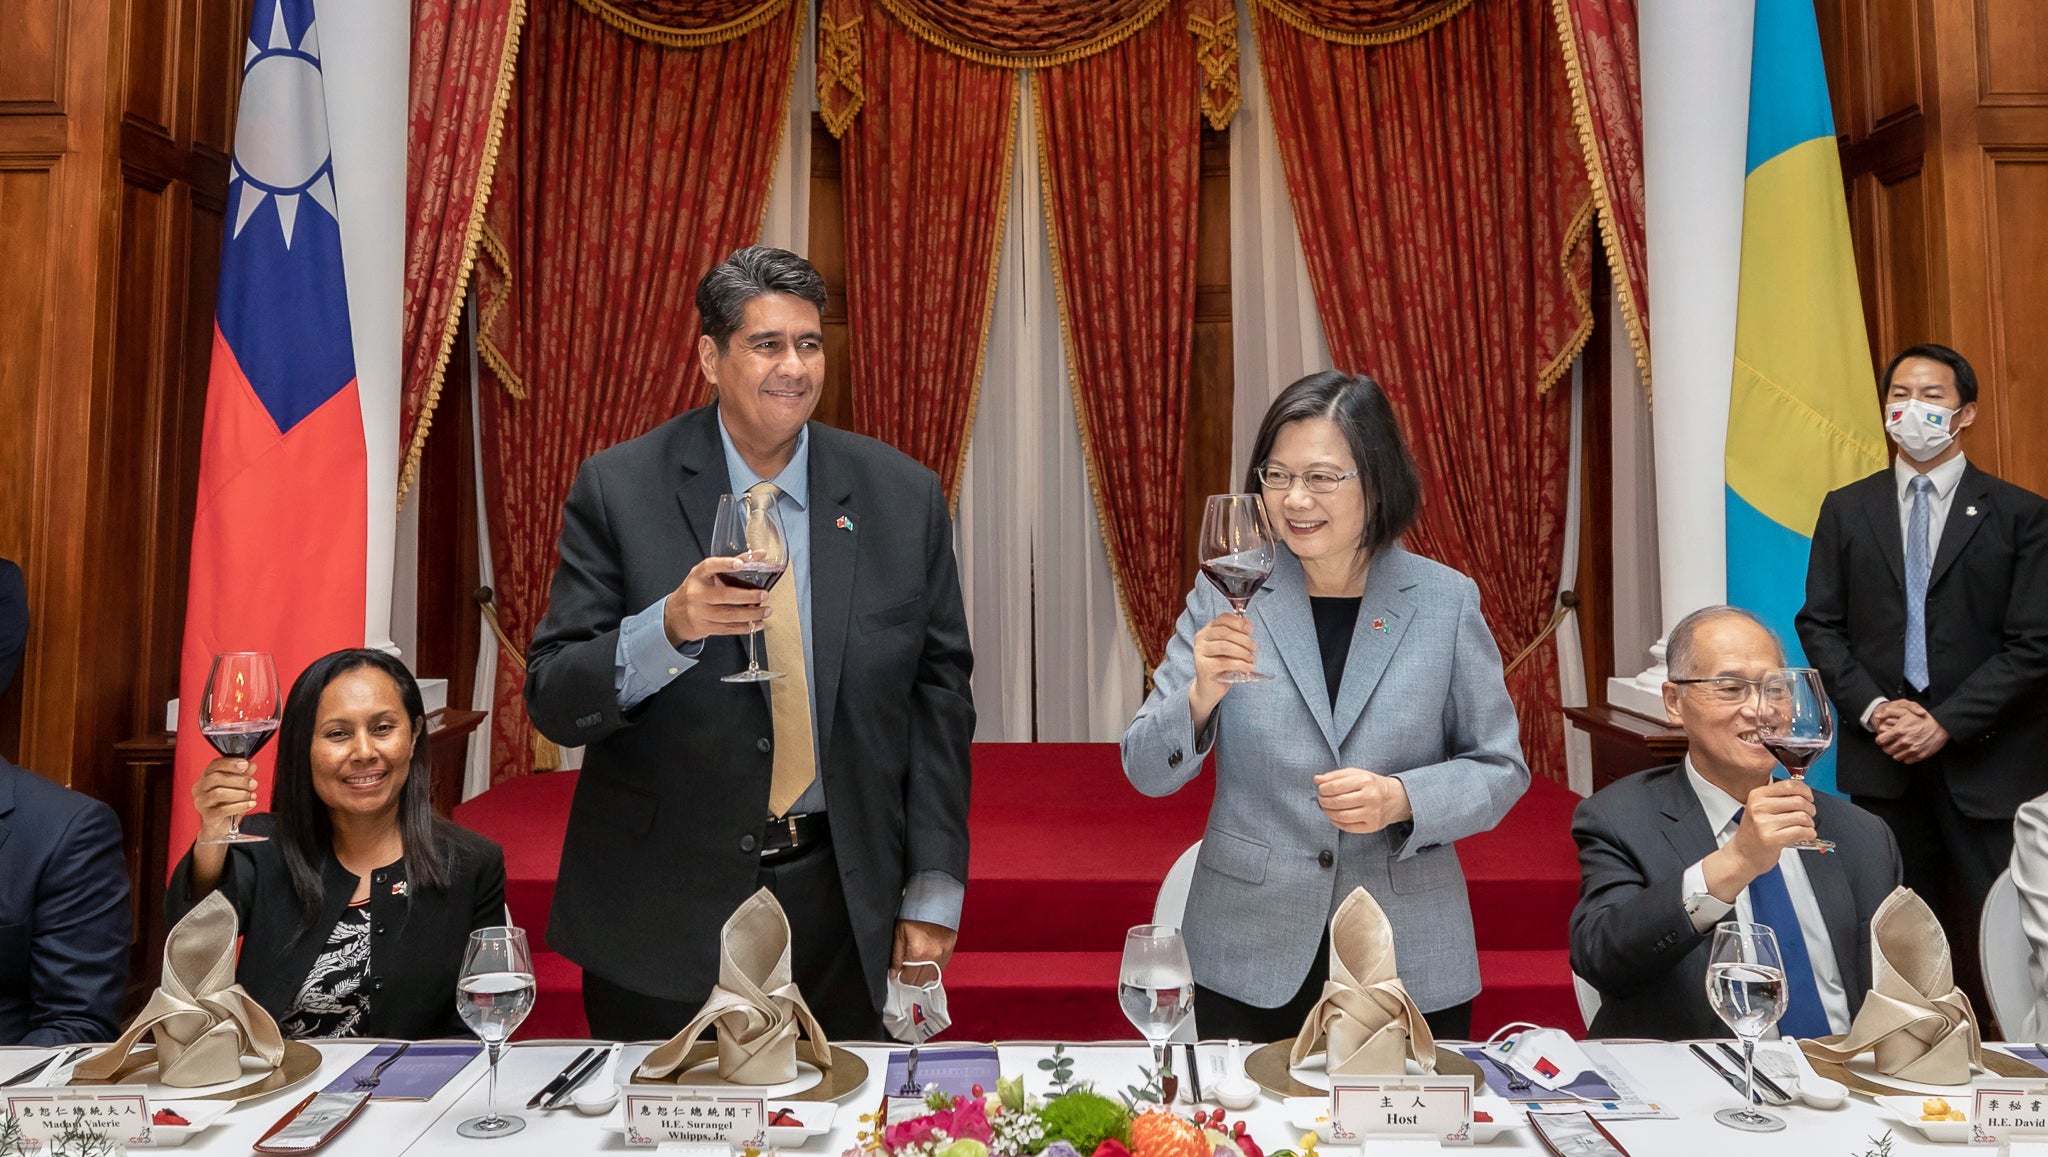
(1066, 856)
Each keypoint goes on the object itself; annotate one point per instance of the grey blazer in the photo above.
(1422, 698)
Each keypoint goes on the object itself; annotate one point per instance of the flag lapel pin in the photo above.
(398, 889)
(844, 523)
(1380, 625)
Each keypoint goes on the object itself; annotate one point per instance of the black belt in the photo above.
(792, 836)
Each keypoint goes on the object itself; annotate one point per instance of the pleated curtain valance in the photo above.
(685, 23)
(1014, 34)
(1363, 22)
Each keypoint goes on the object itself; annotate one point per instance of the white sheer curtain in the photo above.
(1053, 659)
(787, 222)
(1275, 334)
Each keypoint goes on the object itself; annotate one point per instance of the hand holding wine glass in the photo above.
(1796, 723)
(1746, 987)
(1155, 985)
(747, 528)
(493, 996)
(238, 713)
(1237, 555)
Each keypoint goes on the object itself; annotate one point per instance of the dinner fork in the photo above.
(366, 1083)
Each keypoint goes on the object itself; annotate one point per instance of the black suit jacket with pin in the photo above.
(664, 833)
(1987, 636)
(1634, 941)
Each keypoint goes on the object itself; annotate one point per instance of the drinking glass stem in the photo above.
(1749, 1076)
(491, 1101)
(234, 827)
(754, 649)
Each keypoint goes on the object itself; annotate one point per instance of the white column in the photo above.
(1695, 61)
(365, 57)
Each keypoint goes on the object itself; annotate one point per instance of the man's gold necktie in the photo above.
(789, 698)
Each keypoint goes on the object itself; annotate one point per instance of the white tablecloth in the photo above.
(1665, 1073)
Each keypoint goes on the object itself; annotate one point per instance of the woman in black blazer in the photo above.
(356, 912)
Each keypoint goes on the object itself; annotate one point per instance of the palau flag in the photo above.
(1803, 405)
(279, 538)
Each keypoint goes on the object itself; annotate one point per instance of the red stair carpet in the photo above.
(1066, 856)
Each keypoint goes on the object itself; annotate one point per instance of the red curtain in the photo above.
(462, 56)
(926, 166)
(1121, 149)
(1599, 41)
(1444, 212)
(630, 168)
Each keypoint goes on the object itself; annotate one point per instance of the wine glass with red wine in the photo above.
(238, 714)
(1237, 556)
(748, 529)
(1796, 724)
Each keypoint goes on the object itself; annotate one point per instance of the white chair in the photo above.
(2002, 947)
(1171, 906)
(1589, 999)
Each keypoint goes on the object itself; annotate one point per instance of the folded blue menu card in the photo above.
(416, 1076)
(955, 1070)
(1591, 1087)
(2031, 1054)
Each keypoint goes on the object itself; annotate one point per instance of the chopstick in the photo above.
(46, 1066)
(1770, 1086)
(1706, 1058)
(585, 1072)
(555, 1086)
(1194, 1075)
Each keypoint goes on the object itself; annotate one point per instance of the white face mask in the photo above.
(1922, 430)
(915, 1013)
(1547, 1056)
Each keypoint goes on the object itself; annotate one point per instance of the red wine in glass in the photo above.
(1796, 723)
(238, 713)
(748, 530)
(1237, 555)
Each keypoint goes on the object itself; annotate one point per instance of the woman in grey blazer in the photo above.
(1385, 734)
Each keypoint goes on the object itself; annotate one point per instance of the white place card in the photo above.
(1362, 1107)
(2006, 1111)
(117, 1111)
(730, 1116)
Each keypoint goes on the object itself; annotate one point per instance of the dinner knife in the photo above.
(1734, 1079)
(1771, 1088)
(584, 1072)
(561, 1078)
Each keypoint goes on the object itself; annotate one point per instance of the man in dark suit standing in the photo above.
(63, 890)
(1927, 614)
(843, 786)
(1668, 853)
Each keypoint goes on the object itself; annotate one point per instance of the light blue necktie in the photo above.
(1770, 903)
(1917, 568)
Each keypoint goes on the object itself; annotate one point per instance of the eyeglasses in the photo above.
(1729, 690)
(1317, 481)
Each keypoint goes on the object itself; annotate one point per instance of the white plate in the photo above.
(817, 1118)
(1313, 1071)
(706, 1076)
(1865, 1066)
(201, 1114)
(1307, 1114)
(1906, 1111)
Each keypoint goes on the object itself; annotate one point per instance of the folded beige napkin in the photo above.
(757, 1009)
(1365, 1014)
(204, 1023)
(1915, 1018)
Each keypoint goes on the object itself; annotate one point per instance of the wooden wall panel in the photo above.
(2018, 228)
(1902, 272)
(828, 253)
(2012, 58)
(25, 231)
(152, 64)
(31, 56)
(1891, 45)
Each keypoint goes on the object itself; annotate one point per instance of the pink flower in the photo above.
(970, 1122)
(916, 1131)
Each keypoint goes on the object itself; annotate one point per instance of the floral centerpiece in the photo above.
(1076, 1121)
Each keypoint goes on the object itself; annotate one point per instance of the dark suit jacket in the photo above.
(664, 833)
(13, 622)
(1631, 936)
(1987, 636)
(417, 934)
(64, 918)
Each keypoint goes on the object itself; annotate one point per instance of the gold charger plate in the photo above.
(301, 1061)
(1269, 1068)
(846, 1074)
(2000, 1064)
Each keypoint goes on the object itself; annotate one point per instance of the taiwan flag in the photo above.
(279, 537)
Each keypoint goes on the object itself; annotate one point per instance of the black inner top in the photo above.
(1335, 620)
